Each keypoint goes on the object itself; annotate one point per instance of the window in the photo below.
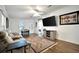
(21, 24)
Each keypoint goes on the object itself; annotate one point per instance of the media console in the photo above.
(50, 34)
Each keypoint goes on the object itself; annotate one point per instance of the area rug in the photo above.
(39, 44)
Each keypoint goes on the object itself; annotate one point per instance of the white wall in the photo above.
(28, 24)
(4, 12)
(3, 15)
(40, 27)
(14, 25)
(68, 33)
(0, 21)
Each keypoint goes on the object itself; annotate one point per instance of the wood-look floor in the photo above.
(60, 47)
(39, 44)
(64, 47)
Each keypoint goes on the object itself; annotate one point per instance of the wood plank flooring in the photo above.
(60, 47)
(64, 47)
(39, 44)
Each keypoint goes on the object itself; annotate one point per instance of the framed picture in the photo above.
(69, 18)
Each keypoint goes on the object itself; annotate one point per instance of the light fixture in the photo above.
(36, 14)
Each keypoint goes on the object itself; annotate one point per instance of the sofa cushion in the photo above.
(8, 38)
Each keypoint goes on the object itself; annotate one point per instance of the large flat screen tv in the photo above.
(50, 21)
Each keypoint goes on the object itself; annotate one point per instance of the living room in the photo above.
(26, 23)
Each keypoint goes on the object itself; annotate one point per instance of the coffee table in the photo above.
(21, 43)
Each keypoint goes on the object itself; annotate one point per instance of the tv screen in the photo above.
(50, 21)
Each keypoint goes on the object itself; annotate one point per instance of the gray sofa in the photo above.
(5, 40)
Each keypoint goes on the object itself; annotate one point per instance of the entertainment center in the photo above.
(50, 34)
(49, 22)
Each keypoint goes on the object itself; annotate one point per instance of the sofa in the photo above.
(5, 40)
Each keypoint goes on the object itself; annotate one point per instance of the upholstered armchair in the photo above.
(3, 42)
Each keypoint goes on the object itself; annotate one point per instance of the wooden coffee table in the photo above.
(21, 43)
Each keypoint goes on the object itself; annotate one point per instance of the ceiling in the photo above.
(30, 11)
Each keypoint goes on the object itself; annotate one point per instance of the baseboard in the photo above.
(68, 41)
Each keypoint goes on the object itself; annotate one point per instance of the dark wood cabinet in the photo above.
(25, 32)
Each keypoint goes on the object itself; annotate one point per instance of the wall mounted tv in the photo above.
(50, 21)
